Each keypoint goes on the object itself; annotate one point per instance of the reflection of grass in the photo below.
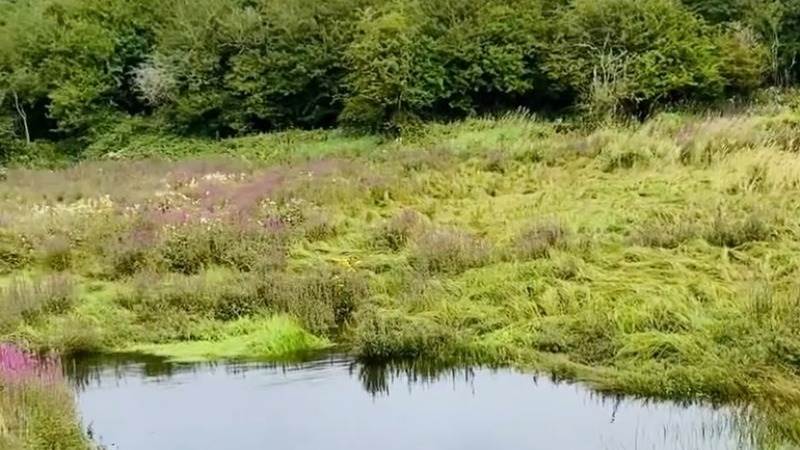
(272, 338)
(657, 259)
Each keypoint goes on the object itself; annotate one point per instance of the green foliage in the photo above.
(228, 67)
(537, 240)
(27, 300)
(15, 252)
(441, 58)
(40, 416)
(449, 251)
(385, 335)
(744, 59)
(627, 55)
(70, 61)
(101, 74)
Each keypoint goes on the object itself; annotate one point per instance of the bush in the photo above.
(666, 230)
(632, 54)
(26, 299)
(57, 253)
(712, 139)
(248, 249)
(441, 58)
(188, 249)
(383, 335)
(322, 300)
(37, 406)
(537, 240)
(400, 228)
(744, 59)
(392, 72)
(727, 231)
(127, 258)
(449, 251)
(15, 251)
(273, 64)
(154, 298)
(318, 226)
(69, 62)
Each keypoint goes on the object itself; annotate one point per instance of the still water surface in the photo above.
(335, 403)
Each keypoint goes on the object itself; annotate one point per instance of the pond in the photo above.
(132, 403)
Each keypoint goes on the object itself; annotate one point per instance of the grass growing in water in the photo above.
(274, 338)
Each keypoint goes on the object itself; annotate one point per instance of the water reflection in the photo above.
(134, 402)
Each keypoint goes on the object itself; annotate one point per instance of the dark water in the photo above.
(333, 403)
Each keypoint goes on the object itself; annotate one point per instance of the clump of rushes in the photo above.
(36, 405)
(449, 251)
(384, 335)
(322, 300)
(666, 230)
(728, 230)
(400, 228)
(537, 240)
(25, 299)
(58, 253)
(15, 251)
(318, 225)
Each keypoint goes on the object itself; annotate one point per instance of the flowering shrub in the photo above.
(18, 366)
(35, 404)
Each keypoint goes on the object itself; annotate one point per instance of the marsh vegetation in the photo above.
(604, 190)
(654, 259)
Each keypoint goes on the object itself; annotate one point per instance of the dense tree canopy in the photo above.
(70, 70)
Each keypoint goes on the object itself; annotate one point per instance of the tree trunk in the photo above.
(24, 117)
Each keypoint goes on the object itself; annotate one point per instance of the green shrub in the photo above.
(391, 71)
(40, 415)
(441, 58)
(401, 228)
(27, 300)
(127, 258)
(726, 230)
(383, 335)
(248, 250)
(70, 62)
(153, 297)
(15, 251)
(666, 230)
(744, 59)
(57, 253)
(322, 300)
(449, 251)
(711, 140)
(318, 226)
(632, 54)
(537, 240)
(188, 249)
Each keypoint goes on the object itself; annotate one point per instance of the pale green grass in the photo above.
(272, 338)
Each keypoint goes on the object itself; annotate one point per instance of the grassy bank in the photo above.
(656, 259)
(36, 406)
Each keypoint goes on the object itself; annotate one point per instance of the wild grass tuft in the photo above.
(538, 239)
(401, 228)
(26, 299)
(449, 251)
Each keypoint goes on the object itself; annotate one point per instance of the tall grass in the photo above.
(36, 406)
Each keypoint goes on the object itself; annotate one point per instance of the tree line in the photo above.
(71, 70)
